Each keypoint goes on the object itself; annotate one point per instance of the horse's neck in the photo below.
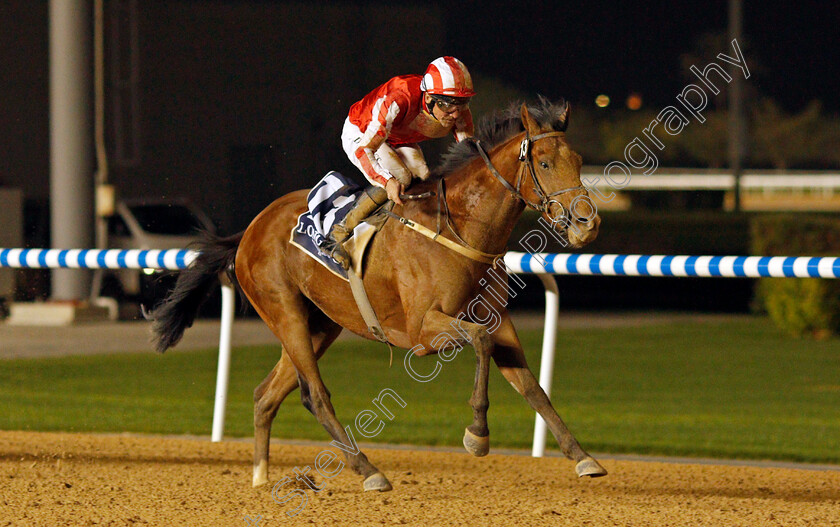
(483, 212)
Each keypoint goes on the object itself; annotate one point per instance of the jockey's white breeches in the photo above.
(403, 162)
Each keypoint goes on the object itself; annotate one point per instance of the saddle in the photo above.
(330, 201)
(327, 203)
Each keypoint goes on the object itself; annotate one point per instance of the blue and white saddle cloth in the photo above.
(328, 203)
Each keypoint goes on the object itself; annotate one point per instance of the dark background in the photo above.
(241, 101)
(580, 49)
(235, 103)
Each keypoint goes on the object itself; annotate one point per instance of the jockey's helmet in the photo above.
(447, 76)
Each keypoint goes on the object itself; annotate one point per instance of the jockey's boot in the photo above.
(371, 199)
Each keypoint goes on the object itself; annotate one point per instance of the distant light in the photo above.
(634, 101)
(148, 271)
(602, 101)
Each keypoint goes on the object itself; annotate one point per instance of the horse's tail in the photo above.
(178, 311)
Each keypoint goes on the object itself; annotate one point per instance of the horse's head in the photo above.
(551, 176)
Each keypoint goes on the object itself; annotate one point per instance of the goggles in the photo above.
(451, 104)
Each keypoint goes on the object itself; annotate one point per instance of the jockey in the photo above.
(381, 133)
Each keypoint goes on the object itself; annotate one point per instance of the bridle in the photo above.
(443, 207)
(526, 163)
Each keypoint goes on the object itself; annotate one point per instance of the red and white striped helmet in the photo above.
(447, 76)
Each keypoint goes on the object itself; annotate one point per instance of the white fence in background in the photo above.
(751, 180)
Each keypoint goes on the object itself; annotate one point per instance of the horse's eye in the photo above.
(544, 165)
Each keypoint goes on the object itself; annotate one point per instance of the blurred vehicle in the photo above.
(150, 224)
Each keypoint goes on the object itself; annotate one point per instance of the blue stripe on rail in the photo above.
(641, 265)
(787, 267)
(180, 259)
(764, 266)
(175, 259)
(814, 267)
(690, 270)
(571, 263)
(618, 265)
(550, 262)
(665, 266)
(525, 263)
(81, 259)
(595, 264)
(714, 266)
(738, 266)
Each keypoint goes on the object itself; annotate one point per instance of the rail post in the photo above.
(552, 309)
(223, 370)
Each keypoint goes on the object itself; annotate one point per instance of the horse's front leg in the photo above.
(510, 359)
(448, 335)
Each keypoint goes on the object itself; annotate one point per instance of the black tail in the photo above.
(177, 312)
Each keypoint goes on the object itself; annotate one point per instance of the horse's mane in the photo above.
(500, 126)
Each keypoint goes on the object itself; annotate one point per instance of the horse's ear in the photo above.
(528, 122)
(564, 117)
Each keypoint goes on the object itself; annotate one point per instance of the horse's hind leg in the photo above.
(316, 399)
(291, 325)
(281, 381)
(273, 390)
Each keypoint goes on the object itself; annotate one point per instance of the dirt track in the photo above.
(75, 480)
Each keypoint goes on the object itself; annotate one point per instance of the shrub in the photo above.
(804, 306)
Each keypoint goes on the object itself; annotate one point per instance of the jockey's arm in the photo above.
(366, 154)
(376, 172)
(375, 135)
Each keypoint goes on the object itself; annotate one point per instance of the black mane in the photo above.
(500, 126)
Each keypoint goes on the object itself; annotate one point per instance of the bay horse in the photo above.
(419, 289)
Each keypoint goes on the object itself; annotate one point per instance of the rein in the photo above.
(527, 162)
(464, 250)
(463, 247)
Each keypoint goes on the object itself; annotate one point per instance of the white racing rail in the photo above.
(544, 265)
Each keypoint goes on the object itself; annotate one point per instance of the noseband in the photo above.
(443, 207)
(527, 163)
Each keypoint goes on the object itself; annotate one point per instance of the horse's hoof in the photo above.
(378, 482)
(260, 474)
(589, 467)
(476, 445)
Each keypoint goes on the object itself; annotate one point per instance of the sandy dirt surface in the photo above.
(49, 479)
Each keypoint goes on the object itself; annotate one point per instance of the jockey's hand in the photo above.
(394, 188)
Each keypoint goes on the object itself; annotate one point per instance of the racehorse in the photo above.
(419, 289)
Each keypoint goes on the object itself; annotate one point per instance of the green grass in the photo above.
(734, 389)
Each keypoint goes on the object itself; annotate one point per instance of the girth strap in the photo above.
(368, 314)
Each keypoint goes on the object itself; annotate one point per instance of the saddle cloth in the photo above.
(328, 203)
